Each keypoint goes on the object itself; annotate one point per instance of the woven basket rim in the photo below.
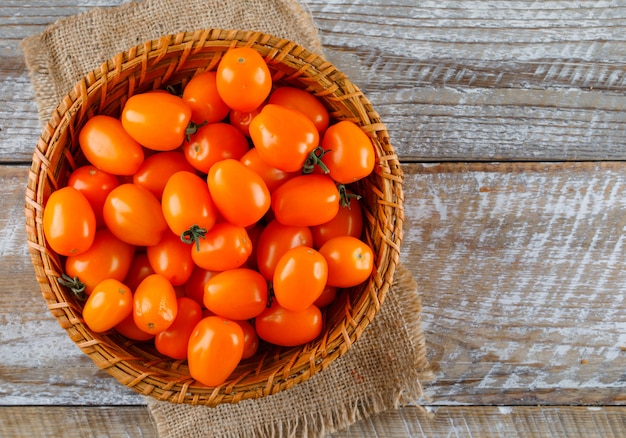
(174, 58)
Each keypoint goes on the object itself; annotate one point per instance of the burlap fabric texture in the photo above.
(385, 368)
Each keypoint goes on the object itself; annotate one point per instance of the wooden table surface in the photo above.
(509, 117)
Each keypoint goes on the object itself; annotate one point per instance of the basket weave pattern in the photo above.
(173, 60)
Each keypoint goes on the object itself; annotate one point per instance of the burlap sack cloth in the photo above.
(384, 369)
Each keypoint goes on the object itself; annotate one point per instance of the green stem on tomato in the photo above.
(315, 159)
(74, 284)
(192, 128)
(193, 234)
(345, 196)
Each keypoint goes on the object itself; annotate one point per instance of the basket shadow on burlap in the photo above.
(173, 60)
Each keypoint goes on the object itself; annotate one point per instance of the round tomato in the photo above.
(272, 176)
(134, 215)
(304, 102)
(194, 286)
(212, 143)
(172, 342)
(107, 257)
(299, 278)
(243, 79)
(349, 153)
(201, 95)
(157, 169)
(284, 137)
(157, 121)
(236, 294)
(139, 269)
(350, 261)
(171, 258)
(69, 223)
(347, 222)
(225, 246)
(95, 185)
(129, 329)
(155, 304)
(241, 119)
(215, 349)
(240, 194)
(306, 200)
(250, 339)
(274, 241)
(108, 146)
(288, 328)
(109, 304)
(187, 206)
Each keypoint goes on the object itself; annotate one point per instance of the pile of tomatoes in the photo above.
(215, 219)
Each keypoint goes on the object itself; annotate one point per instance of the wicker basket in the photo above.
(173, 60)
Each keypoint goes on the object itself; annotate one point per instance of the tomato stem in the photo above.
(76, 286)
(193, 234)
(315, 159)
(345, 197)
(192, 128)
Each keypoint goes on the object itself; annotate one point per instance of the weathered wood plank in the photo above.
(461, 80)
(521, 272)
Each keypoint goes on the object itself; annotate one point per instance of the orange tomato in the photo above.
(155, 304)
(272, 176)
(347, 222)
(299, 278)
(107, 258)
(239, 194)
(212, 143)
(284, 137)
(69, 223)
(201, 95)
(106, 145)
(326, 297)
(194, 286)
(241, 119)
(225, 246)
(306, 200)
(129, 329)
(274, 241)
(304, 102)
(250, 339)
(109, 304)
(157, 121)
(157, 169)
(171, 258)
(243, 79)
(350, 261)
(215, 349)
(350, 154)
(288, 328)
(134, 215)
(172, 342)
(139, 269)
(236, 294)
(95, 185)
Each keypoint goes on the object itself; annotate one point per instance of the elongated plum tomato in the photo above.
(300, 278)
(201, 95)
(240, 194)
(274, 241)
(350, 261)
(69, 223)
(172, 342)
(171, 258)
(157, 121)
(106, 144)
(304, 102)
(225, 246)
(243, 79)
(134, 215)
(215, 349)
(157, 169)
(284, 137)
(155, 305)
(109, 304)
(350, 154)
(288, 328)
(107, 257)
(186, 202)
(95, 184)
(212, 143)
(236, 294)
(306, 200)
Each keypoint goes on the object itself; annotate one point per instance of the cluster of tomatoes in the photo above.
(210, 220)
